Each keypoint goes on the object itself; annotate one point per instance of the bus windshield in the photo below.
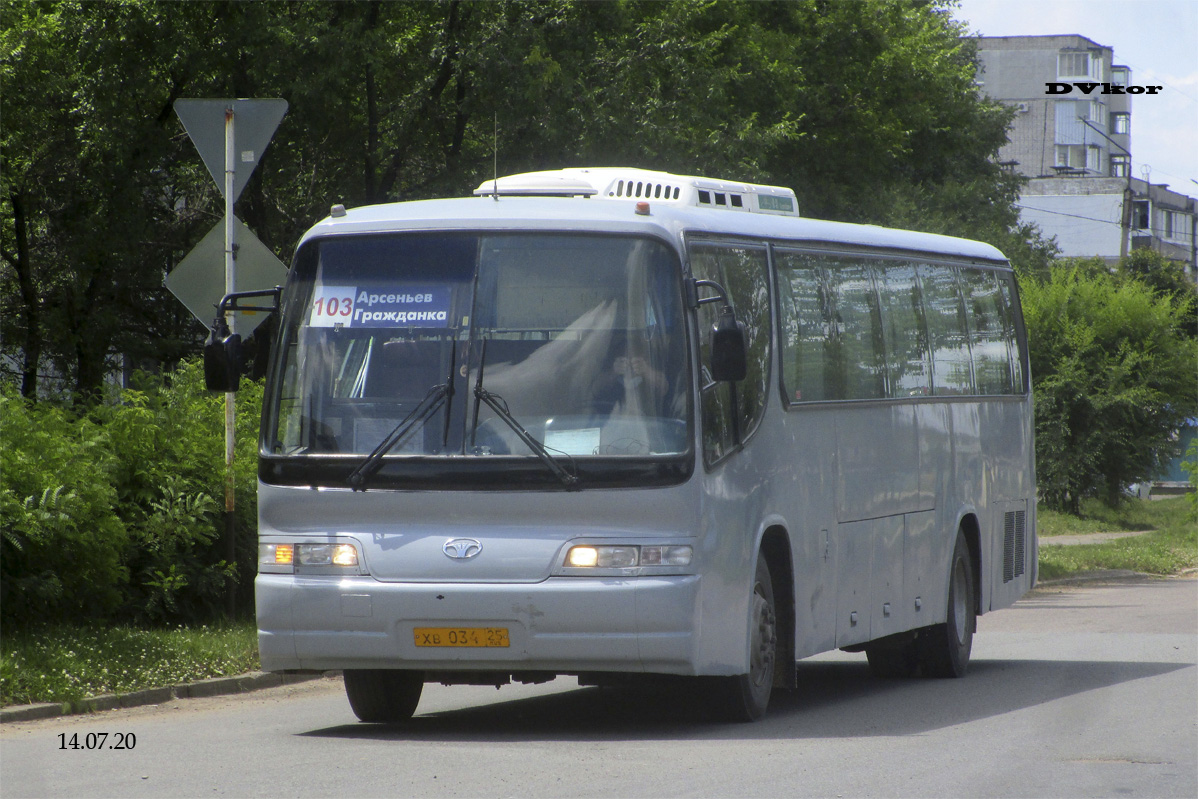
(579, 340)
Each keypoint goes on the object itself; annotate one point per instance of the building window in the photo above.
(1070, 129)
(1071, 155)
(1073, 65)
(1121, 123)
(1120, 166)
(1079, 158)
(1141, 215)
(1120, 76)
(1177, 226)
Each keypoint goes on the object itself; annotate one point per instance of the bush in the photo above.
(63, 541)
(118, 514)
(1189, 465)
(1113, 375)
(169, 441)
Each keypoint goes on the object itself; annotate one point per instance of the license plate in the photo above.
(462, 636)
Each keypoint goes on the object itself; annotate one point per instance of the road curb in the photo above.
(216, 686)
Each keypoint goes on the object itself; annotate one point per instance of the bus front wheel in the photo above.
(944, 648)
(383, 696)
(746, 696)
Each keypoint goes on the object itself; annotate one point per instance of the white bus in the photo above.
(611, 422)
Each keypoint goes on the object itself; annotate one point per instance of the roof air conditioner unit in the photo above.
(617, 183)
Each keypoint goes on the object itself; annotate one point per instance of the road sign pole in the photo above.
(196, 280)
(230, 401)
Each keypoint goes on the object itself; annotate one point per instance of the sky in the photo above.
(1157, 39)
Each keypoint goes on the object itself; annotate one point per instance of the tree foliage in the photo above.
(867, 109)
(1114, 378)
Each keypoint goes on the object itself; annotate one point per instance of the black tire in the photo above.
(944, 648)
(745, 697)
(891, 661)
(383, 696)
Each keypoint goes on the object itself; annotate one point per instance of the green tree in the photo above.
(867, 109)
(1113, 380)
(1167, 279)
(92, 217)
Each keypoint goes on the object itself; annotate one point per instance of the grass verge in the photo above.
(1170, 547)
(66, 664)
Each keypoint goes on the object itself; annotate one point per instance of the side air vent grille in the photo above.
(1014, 546)
(648, 190)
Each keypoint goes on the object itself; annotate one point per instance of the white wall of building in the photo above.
(1083, 224)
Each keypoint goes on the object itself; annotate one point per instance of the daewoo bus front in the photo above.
(448, 416)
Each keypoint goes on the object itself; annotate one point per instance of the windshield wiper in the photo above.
(438, 395)
(497, 404)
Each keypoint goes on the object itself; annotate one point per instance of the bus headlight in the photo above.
(326, 555)
(602, 557)
(322, 558)
(622, 557)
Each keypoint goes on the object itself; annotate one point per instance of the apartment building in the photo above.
(1071, 137)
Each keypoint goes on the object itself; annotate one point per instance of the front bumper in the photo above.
(563, 625)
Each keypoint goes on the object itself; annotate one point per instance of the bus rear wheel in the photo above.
(383, 696)
(745, 697)
(944, 648)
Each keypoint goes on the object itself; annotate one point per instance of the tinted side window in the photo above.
(1006, 285)
(807, 336)
(947, 331)
(987, 335)
(743, 272)
(904, 330)
(831, 328)
(859, 358)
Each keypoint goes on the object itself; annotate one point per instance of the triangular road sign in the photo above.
(254, 123)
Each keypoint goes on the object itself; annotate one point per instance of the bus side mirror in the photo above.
(223, 361)
(729, 351)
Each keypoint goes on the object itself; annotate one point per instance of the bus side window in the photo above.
(807, 328)
(904, 330)
(1006, 285)
(952, 371)
(743, 271)
(859, 361)
(987, 339)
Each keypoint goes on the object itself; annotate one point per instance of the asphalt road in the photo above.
(1083, 691)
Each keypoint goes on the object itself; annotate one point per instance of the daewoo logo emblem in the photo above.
(462, 548)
